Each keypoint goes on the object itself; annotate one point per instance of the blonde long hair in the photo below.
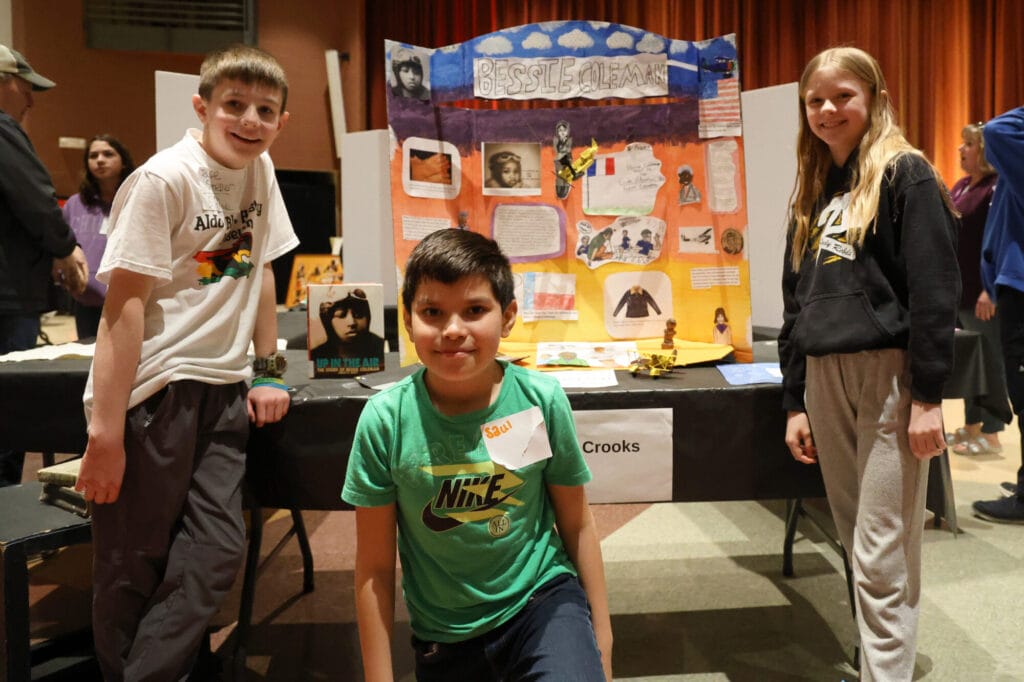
(882, 143)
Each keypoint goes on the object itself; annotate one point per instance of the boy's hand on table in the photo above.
(267, 404)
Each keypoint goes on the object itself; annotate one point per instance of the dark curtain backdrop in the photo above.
(947, 62)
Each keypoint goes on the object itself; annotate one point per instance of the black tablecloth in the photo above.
(728, 440)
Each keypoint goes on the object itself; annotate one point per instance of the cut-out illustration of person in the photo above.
(625, 240)
(505, 170)
(637, 302)
(667, 342)
(644, 244)
(581, 250)
(563, 157)
(688, 192)
(407, 67)
(598, 248)
(721, 332)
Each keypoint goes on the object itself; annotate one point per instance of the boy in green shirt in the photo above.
(468, 467)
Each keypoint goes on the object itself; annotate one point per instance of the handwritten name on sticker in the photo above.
(517, 440)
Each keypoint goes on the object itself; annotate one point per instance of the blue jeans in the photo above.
(17, 332)
(551, 638)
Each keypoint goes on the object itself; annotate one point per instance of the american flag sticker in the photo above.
(720, 113)
(603, 165)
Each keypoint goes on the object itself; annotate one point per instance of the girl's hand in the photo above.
(799, 438)
(927, 435)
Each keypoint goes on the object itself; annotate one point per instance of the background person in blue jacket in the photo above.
(1002, 271)
(871, 289)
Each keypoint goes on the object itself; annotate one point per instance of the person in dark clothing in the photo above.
(870, 290)
(1002, 272)
(36, 245)
(972, 195)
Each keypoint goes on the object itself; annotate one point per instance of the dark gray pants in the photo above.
(168, 550)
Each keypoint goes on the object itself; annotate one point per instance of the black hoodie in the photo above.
(900, 289)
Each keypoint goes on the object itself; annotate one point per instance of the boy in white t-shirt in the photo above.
(193, 233)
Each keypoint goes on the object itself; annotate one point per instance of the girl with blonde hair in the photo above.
(871, 289)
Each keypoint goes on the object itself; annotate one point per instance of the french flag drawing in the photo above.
(603, 165)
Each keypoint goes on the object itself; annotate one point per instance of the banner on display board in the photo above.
(620, 200)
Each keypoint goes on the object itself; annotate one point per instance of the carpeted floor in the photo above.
(697, 594)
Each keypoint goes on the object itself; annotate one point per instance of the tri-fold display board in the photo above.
(607, 162)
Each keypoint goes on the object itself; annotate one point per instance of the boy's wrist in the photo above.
(272, 382)
(269, 366)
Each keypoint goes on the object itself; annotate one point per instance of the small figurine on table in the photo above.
(670, 330)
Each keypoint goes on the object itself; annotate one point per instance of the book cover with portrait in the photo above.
(346, 329)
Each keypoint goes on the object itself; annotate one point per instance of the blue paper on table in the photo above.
(752, 373)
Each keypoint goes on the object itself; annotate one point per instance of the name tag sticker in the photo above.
(517, 440)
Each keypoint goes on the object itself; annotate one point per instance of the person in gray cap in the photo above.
(36, 245)
(407, 67)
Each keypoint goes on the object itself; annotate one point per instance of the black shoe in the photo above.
(1003, 510)
(1008, 489)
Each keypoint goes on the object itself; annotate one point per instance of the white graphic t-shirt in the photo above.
(203, 232)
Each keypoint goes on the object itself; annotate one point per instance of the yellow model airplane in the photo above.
(574, 169)
(653, 364)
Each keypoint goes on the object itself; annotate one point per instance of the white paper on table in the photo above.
(61, 350)
(517, 440)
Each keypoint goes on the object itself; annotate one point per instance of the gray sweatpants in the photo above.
(168, 550)
(858, 405)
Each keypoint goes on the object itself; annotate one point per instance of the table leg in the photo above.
(299, 528)
(14, 617)
(793, 510)
(252, 560)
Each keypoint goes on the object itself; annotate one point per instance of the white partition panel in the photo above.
(769, 139)
(368, 254)
(174, 112)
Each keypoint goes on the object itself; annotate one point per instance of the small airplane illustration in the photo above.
(722, 65)
(703, 238)
(574, 169)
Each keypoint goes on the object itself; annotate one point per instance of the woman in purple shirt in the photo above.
(107, 164)
(972, 195)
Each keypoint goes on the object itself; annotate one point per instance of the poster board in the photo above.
(616, 218)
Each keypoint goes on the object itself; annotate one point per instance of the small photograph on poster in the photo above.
(511, 168)
(431, 169)
(311, 268)
(346, 329)
(409, 76)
